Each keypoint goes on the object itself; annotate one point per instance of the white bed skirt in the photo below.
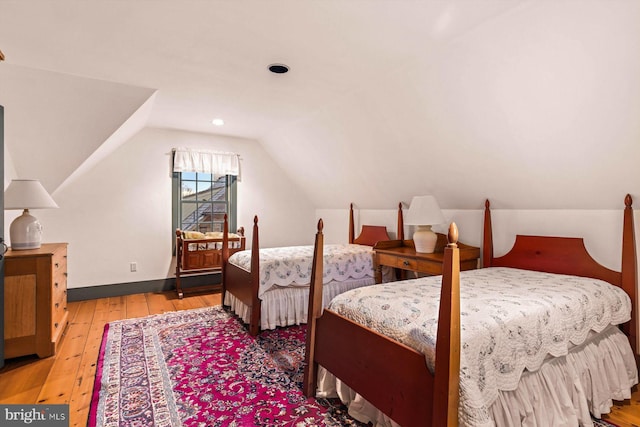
(289, 306)
(563, 392)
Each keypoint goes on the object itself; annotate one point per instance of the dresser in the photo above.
(35, 300)
(402, 256)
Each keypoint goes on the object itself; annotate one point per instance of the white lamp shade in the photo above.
(424, 210)
(25, 231)
(27, 194)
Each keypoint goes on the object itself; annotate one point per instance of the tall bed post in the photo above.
(400, 231)
(352, 233)
(315, 311)
(487, 238)
(254, 325)
(225, 255)
(447, 366)
(629, 271)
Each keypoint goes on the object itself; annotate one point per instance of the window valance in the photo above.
(203, 161)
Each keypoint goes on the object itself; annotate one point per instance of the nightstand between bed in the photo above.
(402, 256)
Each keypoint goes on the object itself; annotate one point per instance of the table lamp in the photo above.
(424, 212)
(25, 231)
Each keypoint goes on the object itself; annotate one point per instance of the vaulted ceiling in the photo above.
(532, 103)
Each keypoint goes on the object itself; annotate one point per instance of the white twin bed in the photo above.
(284, 280)
(539, 349)
(269, 287)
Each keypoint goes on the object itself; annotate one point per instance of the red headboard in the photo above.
(568, 255)
(371, 234)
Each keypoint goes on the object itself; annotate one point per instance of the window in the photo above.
(201, 200)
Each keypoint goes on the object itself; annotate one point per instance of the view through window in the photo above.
(203, 201)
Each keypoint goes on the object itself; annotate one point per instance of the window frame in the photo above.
(231, 199)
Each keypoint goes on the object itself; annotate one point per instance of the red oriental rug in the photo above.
(201, 368)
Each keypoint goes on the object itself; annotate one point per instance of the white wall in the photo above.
(120, 210)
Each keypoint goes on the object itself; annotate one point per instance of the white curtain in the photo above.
(203, 161)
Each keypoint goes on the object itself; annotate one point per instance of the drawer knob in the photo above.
(56, 284)
(56, 325)
(57, 265)
(57, 305)
(405, 262)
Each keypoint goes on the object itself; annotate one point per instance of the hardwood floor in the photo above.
(68, 376)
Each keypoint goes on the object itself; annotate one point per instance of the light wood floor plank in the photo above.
(212, 299)
(21, 379)
(83, 386)
(160, 302)
(117, 308)
(58, 387)
(136, 306)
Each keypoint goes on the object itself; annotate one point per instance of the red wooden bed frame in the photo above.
(245, 286)
(395, 378)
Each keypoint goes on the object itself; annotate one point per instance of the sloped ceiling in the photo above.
(55, 122)
(532, 103)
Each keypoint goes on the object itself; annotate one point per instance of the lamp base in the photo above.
(25, 232)
(424, 239)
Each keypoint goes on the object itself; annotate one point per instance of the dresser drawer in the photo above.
(59, 285)
(58, 318)
(37, 288)
(59, 264)
(59, 292)
(58, 303)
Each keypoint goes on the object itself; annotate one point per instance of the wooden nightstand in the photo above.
(402, 255)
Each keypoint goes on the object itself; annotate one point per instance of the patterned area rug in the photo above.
(201, 368)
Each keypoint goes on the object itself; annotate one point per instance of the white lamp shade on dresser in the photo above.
(25, 231)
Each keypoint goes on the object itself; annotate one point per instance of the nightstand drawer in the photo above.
(402, 256)
(428, 267)
(406, 263)
(389, 260)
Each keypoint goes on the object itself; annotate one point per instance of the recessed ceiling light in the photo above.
(278, 68)
(217, 122)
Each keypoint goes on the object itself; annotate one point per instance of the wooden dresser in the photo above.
(35, 300)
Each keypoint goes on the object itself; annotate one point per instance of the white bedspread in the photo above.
(291, 266)
(511, 320)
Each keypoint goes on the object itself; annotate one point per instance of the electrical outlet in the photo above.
(134, 267)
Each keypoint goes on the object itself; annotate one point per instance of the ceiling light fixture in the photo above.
(278, 68)
(217, 122)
